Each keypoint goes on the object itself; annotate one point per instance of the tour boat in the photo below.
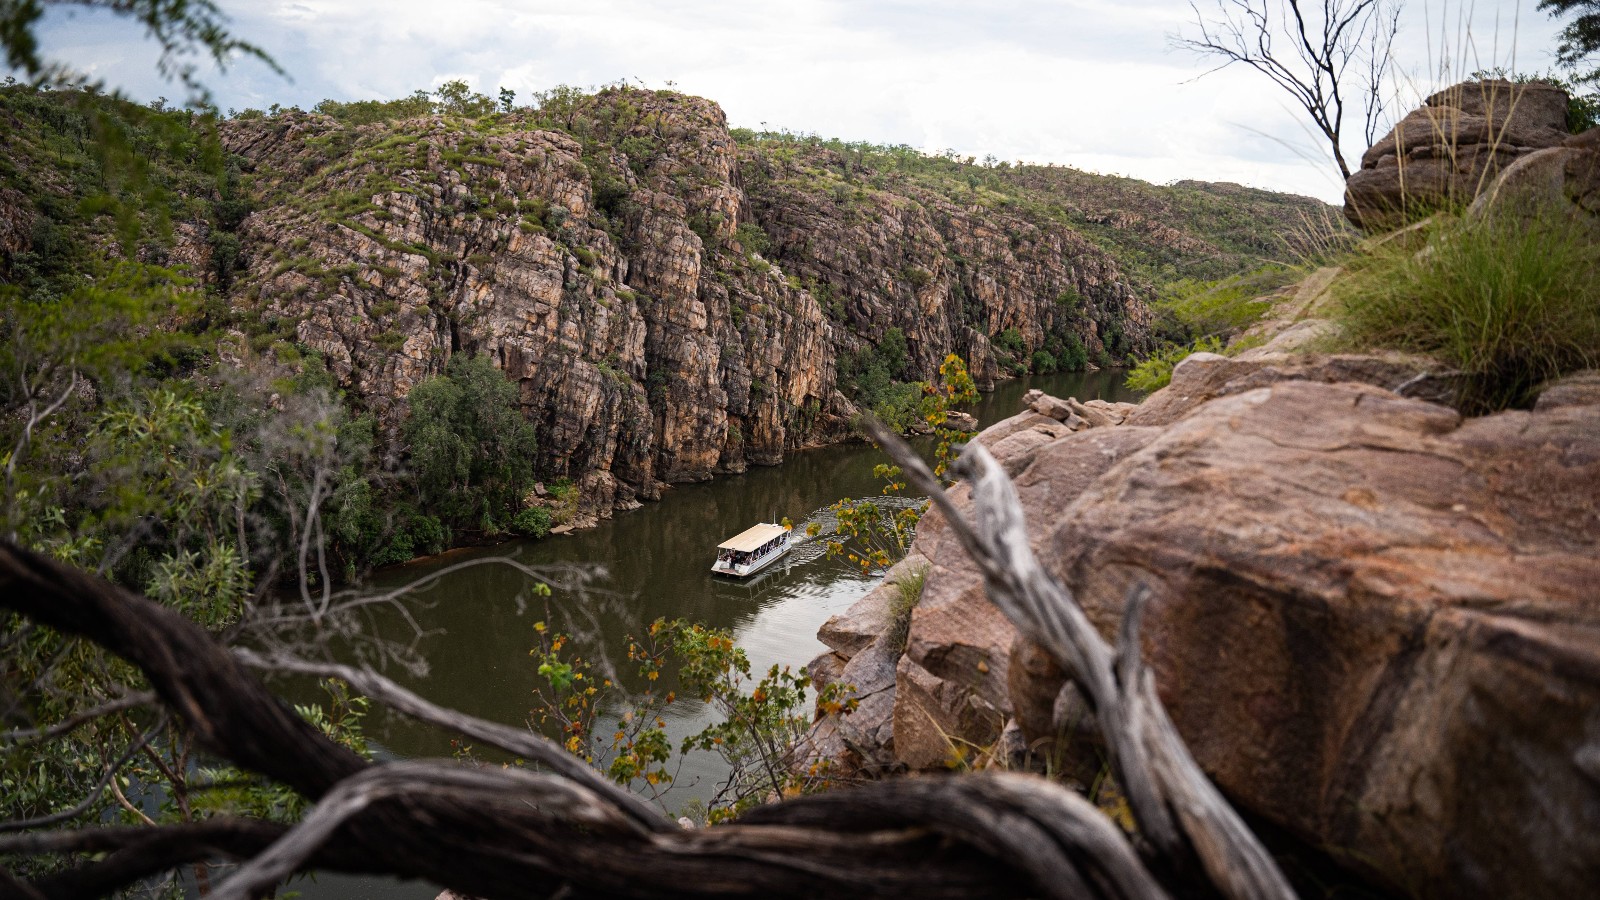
(751, 550)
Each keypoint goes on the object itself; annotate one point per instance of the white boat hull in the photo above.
(753, 566)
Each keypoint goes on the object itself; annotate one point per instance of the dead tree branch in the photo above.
(564, 832)
(517, 741)
(1307, 49)
(1180, 813)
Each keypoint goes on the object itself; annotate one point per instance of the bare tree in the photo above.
(1330, 57)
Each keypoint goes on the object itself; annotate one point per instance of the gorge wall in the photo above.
(673, 303)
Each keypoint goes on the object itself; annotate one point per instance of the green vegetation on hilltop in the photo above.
(1189, 229)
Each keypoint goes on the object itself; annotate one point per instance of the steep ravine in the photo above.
(673, 304)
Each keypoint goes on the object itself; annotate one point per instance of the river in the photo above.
(478, 622)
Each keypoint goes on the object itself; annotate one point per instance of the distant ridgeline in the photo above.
(672, 299)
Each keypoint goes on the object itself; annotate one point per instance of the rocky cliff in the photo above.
(674, 298)
(673, 303)
(646, 351)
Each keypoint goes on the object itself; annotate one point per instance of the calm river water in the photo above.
(479, 621)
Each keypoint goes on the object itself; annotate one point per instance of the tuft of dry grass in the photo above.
(1511, 300)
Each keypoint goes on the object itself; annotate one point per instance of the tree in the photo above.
(471, 449)
(457, 98)
(1580, 38)
(185, 30)
(1330, 58)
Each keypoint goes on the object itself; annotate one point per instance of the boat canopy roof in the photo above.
(752, 538)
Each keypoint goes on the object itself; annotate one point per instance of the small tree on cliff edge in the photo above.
(1329, 57)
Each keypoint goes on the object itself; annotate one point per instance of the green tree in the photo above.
(186, 31)
(875, 536)
(895, 354)
(471, 450)
(457, 98)
(1580, 39)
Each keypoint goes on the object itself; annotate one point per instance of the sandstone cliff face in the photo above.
(615, 269)
(672, 359)
(948, 276)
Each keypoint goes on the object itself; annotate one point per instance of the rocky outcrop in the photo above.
(647, 352)
(1373, 621)
(1201, 377)
(1451, 148)
(665, 322)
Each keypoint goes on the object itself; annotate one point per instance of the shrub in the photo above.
(899, 405)
(1070, 354)
(1511, 301)
(564, 500)
(1043, 362)
(471, 450)
(916, 276)
(1010, 341)
(752, 238)
(533, 522)
(1155, 372)
(1227, 306)
(893, 351)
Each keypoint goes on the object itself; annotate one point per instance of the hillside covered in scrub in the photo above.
(671, 299)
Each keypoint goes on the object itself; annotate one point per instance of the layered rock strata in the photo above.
(664, 323)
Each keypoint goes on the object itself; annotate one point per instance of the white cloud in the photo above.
(1088, 83)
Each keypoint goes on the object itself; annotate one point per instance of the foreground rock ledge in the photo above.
(1375, 623)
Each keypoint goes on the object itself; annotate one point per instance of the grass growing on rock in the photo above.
(1510, 301)
(908, 593)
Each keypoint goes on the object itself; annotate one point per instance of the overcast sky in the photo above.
(1087, 83)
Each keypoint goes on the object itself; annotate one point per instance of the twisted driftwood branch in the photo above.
(508, 832)
(1180, 813)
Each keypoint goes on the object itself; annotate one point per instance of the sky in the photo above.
(1093, 84)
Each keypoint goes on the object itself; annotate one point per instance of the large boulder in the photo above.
(1561, 183)
(1452, 147)
(954, 686)
(1375, 622)
(1201, 377)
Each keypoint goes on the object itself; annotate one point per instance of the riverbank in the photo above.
(1094, 382)
(479, 621)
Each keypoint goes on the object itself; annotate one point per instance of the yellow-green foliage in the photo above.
(1511, 301)
(1155, 372)
(1226, 306)
(908, 593)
